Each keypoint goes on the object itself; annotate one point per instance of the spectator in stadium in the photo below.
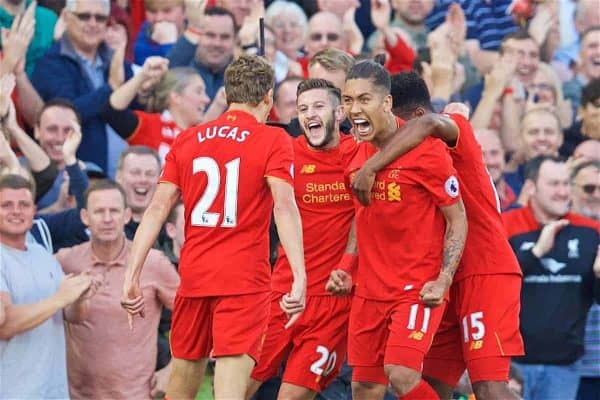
(588, 124)
(588, 65)
(137, 173)
(207, 48)
(584, 17)
(56, 121)
(165, 22)
(15, 42)
(176, 103)
(556, 250)
(81, 68)
(36, 297)
(325, 30)
(585, 178)
(540, 134)
(118, 31)
(289, 23)
(493, 155)
(284, 100)
(106, 357)
(240, 9)
(410, 18)
(43, 21)
(588, 150)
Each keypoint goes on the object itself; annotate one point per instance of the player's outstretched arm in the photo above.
(165, 197)
(289, 228)
(433, 292)
(407, 137)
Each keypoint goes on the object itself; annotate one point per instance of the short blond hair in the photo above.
(333, 60)
(153, 5)
(248, 80)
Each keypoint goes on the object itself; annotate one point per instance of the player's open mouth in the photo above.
(362, 126)
(141, 191)
(314, 129)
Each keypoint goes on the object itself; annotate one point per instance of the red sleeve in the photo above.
(170, 171)
(438, 173)
(401, 56)
(141, 133)
(280, 163)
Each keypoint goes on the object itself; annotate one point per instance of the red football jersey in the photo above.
(157, 131)
(220, 167)
(486, 250)
(327, 210)
(401, 233)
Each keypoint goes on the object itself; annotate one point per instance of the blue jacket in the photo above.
(60, 73)
(145, 47)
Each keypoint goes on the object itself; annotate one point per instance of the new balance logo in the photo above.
(476, 345)
(308, 169)
(416, 335)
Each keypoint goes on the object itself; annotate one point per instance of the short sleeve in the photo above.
(280, 163)
(139, 136)
(170, 172)
(438, 175)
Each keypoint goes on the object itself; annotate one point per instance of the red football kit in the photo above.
(400, 238)
(157, 131)
(220, 168)
(480, 329)
(316, 345)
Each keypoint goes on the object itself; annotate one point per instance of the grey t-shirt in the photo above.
(32, 364)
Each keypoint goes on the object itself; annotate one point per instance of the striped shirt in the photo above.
(487, 20)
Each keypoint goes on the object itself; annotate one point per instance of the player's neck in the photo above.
(257, 111)
(387, 132)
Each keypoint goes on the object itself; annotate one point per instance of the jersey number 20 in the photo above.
(200, 215)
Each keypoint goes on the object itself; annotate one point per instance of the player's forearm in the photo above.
(24, 317)
(454, 238)
(145, 236)
(484, 111)
(405, 139)
(351, 245)
(289, 228)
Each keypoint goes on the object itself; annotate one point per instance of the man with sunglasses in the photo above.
(585, 179)
(81, 68)
(556, 250)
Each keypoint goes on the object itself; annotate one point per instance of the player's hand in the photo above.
(339, 283)
(362, 183)
(159, 381)
(546, 240)
(132, 300)
(72, 288)
(433, 292)
(293, 303)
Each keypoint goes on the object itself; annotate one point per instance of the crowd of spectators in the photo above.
(93, 93)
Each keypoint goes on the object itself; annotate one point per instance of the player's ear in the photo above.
(419, 112)
(170, 230)
(339, 113)
(387, 103)
(268, 99)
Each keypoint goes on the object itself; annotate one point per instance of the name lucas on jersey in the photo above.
(226, 132)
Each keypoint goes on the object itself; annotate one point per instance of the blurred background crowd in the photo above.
(93, 89)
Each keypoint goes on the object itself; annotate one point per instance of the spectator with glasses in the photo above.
(585, 178)
(81, 68)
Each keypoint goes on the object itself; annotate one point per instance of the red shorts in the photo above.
(479, 331)
(389, 332)
(315, 345)
(229, 325)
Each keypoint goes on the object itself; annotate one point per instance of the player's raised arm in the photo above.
(289, 228)
(165, 197)
(407, 137)
(433, 292)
